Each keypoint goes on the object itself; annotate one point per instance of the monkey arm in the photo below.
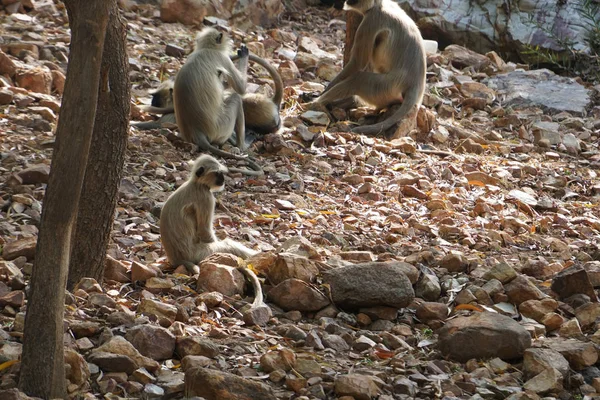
(362, 51)
(237, 77)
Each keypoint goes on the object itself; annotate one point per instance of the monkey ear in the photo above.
(219, 37)
(199, 171)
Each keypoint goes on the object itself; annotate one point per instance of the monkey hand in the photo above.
(243, 51)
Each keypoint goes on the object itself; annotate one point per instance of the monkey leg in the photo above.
(232, 118)
(379, 90)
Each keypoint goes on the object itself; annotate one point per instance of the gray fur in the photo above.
(387, 63)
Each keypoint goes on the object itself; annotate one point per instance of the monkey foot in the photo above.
(258, 315)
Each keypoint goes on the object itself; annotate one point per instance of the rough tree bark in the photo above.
(105, 162)
(42, 361)
(353, 20)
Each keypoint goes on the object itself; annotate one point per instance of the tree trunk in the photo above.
(42, 361)
(105, 162)
(353, 20)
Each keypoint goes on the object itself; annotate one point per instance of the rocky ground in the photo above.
(459, 260)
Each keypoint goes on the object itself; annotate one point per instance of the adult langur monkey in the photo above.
(186, 226)
(387, 63)
(205, 111)
(261, 112)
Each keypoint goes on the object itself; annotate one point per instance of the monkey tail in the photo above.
(159, 110)
(258, 294)
(206, 146)
(412, 97)
(277, 81)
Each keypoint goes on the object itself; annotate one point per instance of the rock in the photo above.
(165, 313)
(288, 265)
(101, 300)
(141, 272)
(212, 384)
(283, 359)
(20, 247)
(454, 262)
(548, 381)
(119, 345)
(573, 280)
(587, 314)
(363, 343)
(174, 50)
(196, 346)
(294, 294)
(110, 362)
(483, 335)
(571, 329)
(357, 256)
(7, 65)
(189, 362)
(428, 311)
(502, 272)
(84, 328)
(152, 341)
(335, 342)
(461, 57)
(360, 387)
(58, 81)
(537, 360)
(220, 278)
(552, 321)
(369, 285)
(6, 97)
(114, 270)
(477, 90)
(541, 88)
(78, 372)
(315, 118)
(428, 288)
(537, 309)
(571, 143)
(405, 386)
(521, 289)
(187, 12)
(10, 271)
(579, 354)
(37, 80)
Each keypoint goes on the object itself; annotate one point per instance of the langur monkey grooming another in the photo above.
(186, 225)
(261, 113)
(387, 63)
(205, 111)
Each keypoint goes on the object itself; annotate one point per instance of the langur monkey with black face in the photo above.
(186, 222)
(205, 111)
(162, 103)
(261, 113)
(387, 63)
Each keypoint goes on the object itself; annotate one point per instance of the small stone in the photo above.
(552, 321)
(20, 247)
(454, 262)
(548, 381)
(213, 384)
(220, 278)
(521, 289)
(189, 362)
(315, 118)
(537, 309)
(571, 329)
(283, 359)
(166, 313)
(428, 311)
(174, 50)
(294, 294)
(502, 272)
(360, 387)
(573, 280)
(363, 343)
(579, 354)
(464, 338)
(196, 346)
(537, 360)
(152, 341)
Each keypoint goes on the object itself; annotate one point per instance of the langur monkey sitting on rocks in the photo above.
(205, 111)
(186, 225)
(387, 63)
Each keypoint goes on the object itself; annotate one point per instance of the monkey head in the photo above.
(212, 39)
(162, 97)
(207, 171)
(360, 6)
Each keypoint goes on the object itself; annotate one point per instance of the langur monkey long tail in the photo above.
(261, 113)
(387, 63)
(186, 223)
(206, 113)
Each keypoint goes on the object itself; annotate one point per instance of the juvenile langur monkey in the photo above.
(186, 223)
(205, 111)
(387, 63)
(162, 103)
(261, 113)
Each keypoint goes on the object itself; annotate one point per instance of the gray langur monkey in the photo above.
(162, 103)
(387, 64)
(205, 111)
(261, 113)
(186, 226)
